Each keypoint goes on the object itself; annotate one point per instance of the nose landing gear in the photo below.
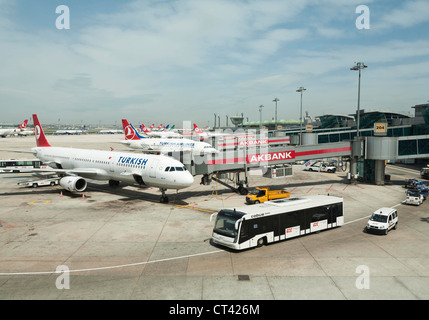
(164, 198)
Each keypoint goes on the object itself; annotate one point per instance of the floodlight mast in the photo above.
(301, 90)
(275, 121)
(358, 67)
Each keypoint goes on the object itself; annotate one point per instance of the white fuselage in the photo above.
(162, 134)
(170, 145)
(144, 169)
(8, 132)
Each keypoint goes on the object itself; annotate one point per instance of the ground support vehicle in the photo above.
(251, 226)
(40, 183)
(320, 167)
(424, 173)
(262, 194)
(382, 220)
(414, 197)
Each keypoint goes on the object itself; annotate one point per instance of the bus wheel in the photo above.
(261, 242)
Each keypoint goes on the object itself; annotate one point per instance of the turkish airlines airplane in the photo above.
(135, 141)
(76, 165)
(10, 131)
(159, 134)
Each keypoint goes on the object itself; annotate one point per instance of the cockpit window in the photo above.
(175, 169)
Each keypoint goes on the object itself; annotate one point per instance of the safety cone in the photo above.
(61, 194)
(83, 196)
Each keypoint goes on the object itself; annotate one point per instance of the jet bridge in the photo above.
(240, 160)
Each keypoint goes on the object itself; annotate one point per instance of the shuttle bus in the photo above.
(20, 165)
(251, 226)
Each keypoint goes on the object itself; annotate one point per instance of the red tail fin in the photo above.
(23, 124)
(38, 132)
(145, 130)
(197, 130)
(129, 131)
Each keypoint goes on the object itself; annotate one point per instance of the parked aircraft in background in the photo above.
(159, 134)
(70, 131)
(74, 166)
(11, 131)
(110, 131)
(135, 141)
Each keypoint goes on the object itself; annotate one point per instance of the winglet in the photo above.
(40, 136)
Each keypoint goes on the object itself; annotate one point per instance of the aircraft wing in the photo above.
(84, 172)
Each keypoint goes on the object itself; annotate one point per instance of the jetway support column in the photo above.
(379, 172)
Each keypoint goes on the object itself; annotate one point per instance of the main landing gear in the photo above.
(164, 198)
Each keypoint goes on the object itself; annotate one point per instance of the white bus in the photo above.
(20, 165)
(251, 226)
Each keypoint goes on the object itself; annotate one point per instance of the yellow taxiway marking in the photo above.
(37, 202)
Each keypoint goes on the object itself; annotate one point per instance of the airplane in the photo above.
(159, 134)
(10, 131)
(136, 141)
(70, 131)
(24, 131)
(206, 134)
(76, 165)
(110, 131)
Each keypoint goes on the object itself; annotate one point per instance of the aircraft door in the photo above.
(152, 169)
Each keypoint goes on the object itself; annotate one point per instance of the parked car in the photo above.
(321, 167)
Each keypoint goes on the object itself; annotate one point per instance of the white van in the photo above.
(382, 220)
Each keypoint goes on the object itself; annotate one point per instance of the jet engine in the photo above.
(73, 183)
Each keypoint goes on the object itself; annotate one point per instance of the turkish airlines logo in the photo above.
(129, 133)
(37, 132)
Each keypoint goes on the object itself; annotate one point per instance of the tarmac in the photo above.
(122, 244)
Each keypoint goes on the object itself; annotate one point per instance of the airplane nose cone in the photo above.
(188, 180)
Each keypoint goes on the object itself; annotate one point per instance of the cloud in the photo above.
(409, 14)
(198, 56)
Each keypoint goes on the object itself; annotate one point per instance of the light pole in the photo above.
(260, 117)
(358, 67)
(301, 90)
(275, 121)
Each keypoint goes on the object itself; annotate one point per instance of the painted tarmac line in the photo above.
(113, 267)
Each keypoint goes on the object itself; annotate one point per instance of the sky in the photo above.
(167, 61)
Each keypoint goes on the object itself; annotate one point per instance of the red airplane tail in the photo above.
(23, 124)
(38, 132)
(129, 132)
(197, 129)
